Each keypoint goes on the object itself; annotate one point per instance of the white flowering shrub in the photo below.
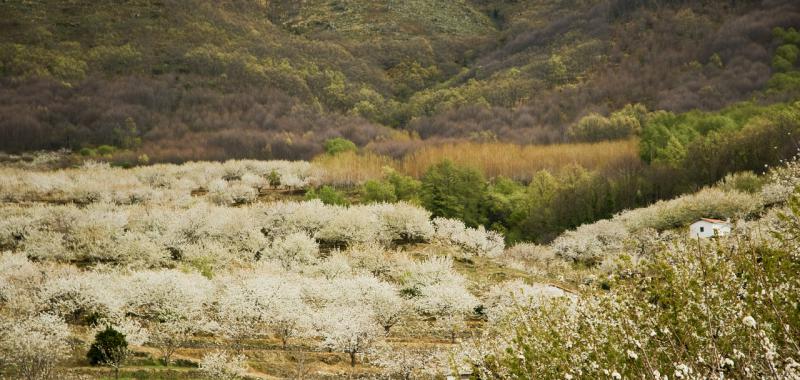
(287, 314)
(473, 241)
(336, 265)
(370, 258)
(159, 184)
(33, 346)
(226, 193)
(504, 299)
(338, 225)
(135, 333)
(82, 298)
(170, 305)
(589, 243)
(781, 182)
(19, 278)
(352, 225)
(405, 223)
(387, 307)
(13, 229)
(681, 211)
(414, 275)
(284, 218)
(348, 329)
(220, 365)
(237, 312)
(410, 362)
(294, 249)
(693, 311)
(531, 252)
(449, 304)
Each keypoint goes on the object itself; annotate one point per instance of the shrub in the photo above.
(473, 241)
(701, 295)
(349, 329)
(448, 303)
(378, 191)
(452, 191)
(781, 182)
(358, 224)
(222, 366)
(35, 345)
(746, 182)
(328, 195)
(590, 243)
(405, 188)
(224, 193)
(109, 348)
(87, 152)
(403, 223)
(115, 59)
(274, 179)
(105, 150)
(338, 145)
(502, 300)
(293, 250)
(707, 203)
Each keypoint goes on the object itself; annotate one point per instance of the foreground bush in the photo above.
(33, 346)
(223, 366)
(694, 311)
(109, 348)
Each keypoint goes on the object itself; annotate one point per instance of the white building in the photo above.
(706, 228)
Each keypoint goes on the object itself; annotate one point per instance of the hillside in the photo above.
(218, 271)
(182, 80)
(399, 189)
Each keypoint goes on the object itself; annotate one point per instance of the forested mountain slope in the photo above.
(275, 79)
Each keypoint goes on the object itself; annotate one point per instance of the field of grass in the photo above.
(521, 162)
(518, 162)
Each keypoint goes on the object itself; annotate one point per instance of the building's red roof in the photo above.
(715, 221)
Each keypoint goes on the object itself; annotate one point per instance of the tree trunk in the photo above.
(284, 339)
(352, 359)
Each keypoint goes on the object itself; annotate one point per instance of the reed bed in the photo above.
(351, 169)
(520, 162)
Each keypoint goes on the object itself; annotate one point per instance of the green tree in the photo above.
(453, 191)
(785, 57)
(338, 145)
(105, 150)
(406, 188)
(328, 195)
(536, 218)
(502, 203)
(378, 191)
(274, 179)
(109, 348)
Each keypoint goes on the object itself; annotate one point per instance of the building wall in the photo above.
(708, 229)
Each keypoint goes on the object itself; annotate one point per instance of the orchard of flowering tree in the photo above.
(170, 271)
(188, 270)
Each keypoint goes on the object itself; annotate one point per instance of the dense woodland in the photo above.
(182, 80)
